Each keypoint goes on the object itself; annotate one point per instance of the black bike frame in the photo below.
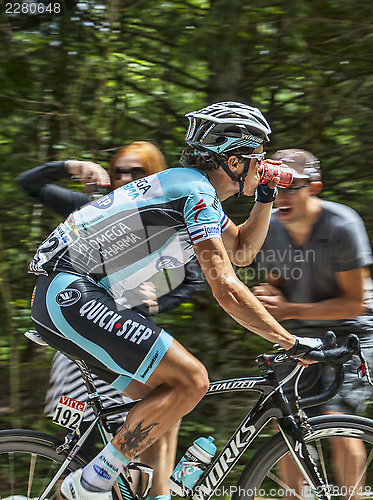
(271, 404)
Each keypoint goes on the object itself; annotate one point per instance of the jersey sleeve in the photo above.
(204, 216)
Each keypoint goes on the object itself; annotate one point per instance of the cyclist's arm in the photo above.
(38, 183)
(243, 242)
(349, 304)
(234, 297)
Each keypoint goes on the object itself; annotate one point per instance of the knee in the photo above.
(184, 376)
(197, 382)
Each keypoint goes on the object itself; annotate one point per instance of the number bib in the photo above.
(69, 412)
(55, 242)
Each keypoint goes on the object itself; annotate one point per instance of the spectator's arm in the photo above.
(38, 183)
(32, 181)
(192, 284)
(349, 304)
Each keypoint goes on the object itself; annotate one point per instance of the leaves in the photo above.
(108, 73)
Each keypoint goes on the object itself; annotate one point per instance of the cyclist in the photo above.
(133, 161)
(91, 266)
(316, 258)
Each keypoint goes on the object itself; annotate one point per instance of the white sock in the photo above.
(101, 473)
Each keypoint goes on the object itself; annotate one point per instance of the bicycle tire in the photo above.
(28, 462)
(261, 478)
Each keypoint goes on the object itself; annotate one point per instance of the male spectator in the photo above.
(316, 259)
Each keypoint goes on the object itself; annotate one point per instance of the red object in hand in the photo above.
(273, 169)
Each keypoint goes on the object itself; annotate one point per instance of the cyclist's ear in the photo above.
(233, 163)
(315, 187)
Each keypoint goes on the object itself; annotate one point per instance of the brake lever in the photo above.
(363, 370)
(330, 340)
(339, 355)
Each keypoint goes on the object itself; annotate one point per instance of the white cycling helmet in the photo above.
(226, 126)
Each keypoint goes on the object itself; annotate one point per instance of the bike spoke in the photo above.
(322, 461)
(31, 474)
(11, 472)
(342, 452)
(26, 475)
(363, 471)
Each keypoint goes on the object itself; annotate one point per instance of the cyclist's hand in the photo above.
(302, 346)
(264, 194)
(88, 172)
(273, 182)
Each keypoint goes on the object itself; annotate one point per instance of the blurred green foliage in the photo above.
(108, 73)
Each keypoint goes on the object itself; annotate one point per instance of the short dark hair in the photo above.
(190, 159)
(193, 159)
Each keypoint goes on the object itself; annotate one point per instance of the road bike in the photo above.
(32, 464)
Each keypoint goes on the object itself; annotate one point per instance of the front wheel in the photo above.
(342, 447)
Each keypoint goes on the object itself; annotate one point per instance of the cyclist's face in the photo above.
(292, 202)
(254, 174)
(128, 168)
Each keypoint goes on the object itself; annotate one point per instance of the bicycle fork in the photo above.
(293, 436)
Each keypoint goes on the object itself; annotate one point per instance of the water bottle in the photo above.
(192, 465)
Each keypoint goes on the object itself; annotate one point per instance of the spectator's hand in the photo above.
(88, 172)
(148, 291)
(273, 300)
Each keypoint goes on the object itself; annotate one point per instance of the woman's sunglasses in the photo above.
(135, 173)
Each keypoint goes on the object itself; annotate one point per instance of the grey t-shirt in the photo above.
(338, 242)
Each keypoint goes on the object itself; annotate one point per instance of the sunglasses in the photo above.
(135, 173)
(293, 189)
(258, 156)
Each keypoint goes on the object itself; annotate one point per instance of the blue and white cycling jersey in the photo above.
(136, 232)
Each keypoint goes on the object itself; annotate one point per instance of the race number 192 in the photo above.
(69, 412)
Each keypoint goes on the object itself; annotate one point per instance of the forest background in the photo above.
(108, 73)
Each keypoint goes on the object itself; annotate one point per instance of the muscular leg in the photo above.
(349, 458)
(161, 454)
(178, 384)
(161, 457)
(291, 477)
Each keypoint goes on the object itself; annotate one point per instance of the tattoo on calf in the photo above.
(135, 440)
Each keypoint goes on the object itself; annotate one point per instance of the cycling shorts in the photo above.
(77, 317)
